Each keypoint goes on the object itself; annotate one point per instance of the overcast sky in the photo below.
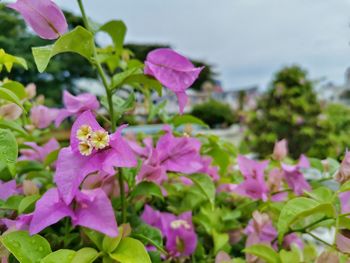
(246, 40)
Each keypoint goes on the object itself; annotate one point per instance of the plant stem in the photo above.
(122, 194)
(319, 239)
(99, 68)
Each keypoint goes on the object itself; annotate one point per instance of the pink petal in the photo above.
(80, 103)
(182, 99)
(48, 211)
(8, 189)
(61, 116)
(95, 211)
(71, 169)
(43, 116)
(122, 154)
(43, 16)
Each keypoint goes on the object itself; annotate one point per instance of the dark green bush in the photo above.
(290, 110)
(214, 113)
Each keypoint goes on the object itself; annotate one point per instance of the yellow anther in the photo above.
(84, 132)
(99, 139)
(180, 223)
(85, 148)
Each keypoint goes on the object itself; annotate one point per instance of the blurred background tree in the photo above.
(214, 113)
(290, 110)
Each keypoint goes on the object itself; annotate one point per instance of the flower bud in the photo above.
(343, 174)
(30, 188)
(280, 150)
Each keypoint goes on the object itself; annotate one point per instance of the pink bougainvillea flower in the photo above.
(107, 183)
(90, 208)
(39, 153)
(173, 70)
(173, 154)
(181, 239)
(91, 149)
(222, 257)
(280, 150)
(43, 16)
(259, 230)
(342, 241)
(75, 105)
(274, 182)
(8, 189)
(251, 169)
(345, 202)
(291, 239)
(179, 154)
(294, 176)
(21, 223)
(43, 116)
(343, 174)
(254, 185)
(208, 169)
(10, 111)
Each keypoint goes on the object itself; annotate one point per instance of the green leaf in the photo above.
(119, 78)
(62, 256)
(220, 240)
(12, 203)
(120, 105)
(300, 208)
(95, 237)
(345, 187)
(206, 185)
(321, 194)
(147, 82)
(156, 110)
(131, 250)
(109, 244)
(26, 248)
(149, 236)
(79, 40)
(14, 126)
(8, 148)
(51, 157)
(179, 120)
(292, 256)
(10, 96)
(147, 189)
(27, 204)
(8, 60)
(85, 255)
(264, 252)
(117, 30)
(16, 88)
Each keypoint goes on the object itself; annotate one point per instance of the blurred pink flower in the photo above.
(43, 16)
(173, 70)
(38, 153)
(43, 116)
(181, 239)
(8, 189)
(75, 105)
(280, 150)
(343, 174)
(10, 111)
(295, 178)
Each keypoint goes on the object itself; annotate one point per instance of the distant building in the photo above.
(331, 92)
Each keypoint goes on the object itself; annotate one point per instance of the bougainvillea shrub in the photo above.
(93, 192)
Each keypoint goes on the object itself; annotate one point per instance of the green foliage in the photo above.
(335, 128)
(26, 248)
(8, 149)
(289, 110)
(264, 252)
(214, 113)
(79, 41)
(130, 250)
